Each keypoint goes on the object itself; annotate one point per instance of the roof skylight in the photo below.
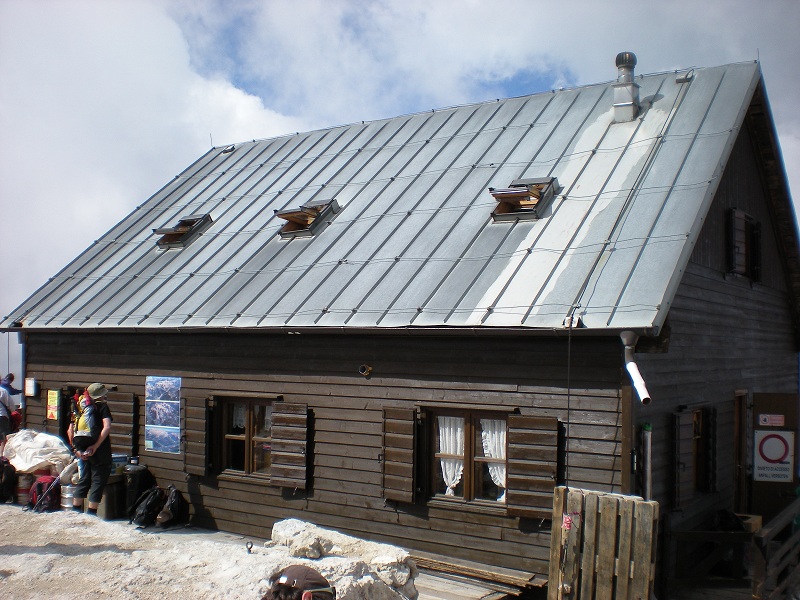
(182, 234)
(524, 199)
(308, 219)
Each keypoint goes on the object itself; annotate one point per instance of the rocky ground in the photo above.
(69, 555)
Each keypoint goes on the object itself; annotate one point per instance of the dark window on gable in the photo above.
(743, 245)
(524, 199)
(308, 219)
(184, 232)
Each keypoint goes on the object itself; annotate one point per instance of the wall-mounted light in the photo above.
(365, 370)
(31, 387)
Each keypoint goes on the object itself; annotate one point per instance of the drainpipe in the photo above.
(647, 471)
(629, 339)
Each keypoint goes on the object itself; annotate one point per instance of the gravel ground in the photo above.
(71, 555)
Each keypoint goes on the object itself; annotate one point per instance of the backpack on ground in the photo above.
(175, 511)
(8, 480)
(138, 480)
(45, 494)
(147, 507)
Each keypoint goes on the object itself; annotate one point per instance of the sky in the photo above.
(102, 102)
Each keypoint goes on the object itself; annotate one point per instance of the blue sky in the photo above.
(102, 102)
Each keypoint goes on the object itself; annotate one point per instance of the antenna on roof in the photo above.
(212, 140)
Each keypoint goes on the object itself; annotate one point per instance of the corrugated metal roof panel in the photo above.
(414, 243)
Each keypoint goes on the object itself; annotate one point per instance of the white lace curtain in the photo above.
(493, 436)
(451, 441)
(239, 416)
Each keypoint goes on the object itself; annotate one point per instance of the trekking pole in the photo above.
(40, 500)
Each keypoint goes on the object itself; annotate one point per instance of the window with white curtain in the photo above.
(469, 456)
(248, 436)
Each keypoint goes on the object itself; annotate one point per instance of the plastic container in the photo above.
(24, 483)
(67, 493)
(118, 461)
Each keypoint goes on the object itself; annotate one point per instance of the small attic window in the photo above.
(743, 245)
(524, 199)
(308, 219)
(182, 234)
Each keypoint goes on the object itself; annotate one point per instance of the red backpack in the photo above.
(45, 494)
(16, 421)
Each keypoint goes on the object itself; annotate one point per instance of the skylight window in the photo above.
(524, 199)
(308, 219)
(182, 234)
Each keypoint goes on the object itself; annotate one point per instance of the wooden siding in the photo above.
(728, 335)
(528, 375)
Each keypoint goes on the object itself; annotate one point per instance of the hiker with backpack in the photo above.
(89, 435)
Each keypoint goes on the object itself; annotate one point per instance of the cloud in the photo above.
(99, 108)
(102, 103)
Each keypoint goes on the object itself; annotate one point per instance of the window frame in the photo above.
(743, 245)
(248, 437)
(470, 458)
(535, 452)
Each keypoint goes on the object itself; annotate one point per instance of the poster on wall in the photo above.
(774, 456)
(162, 425)
(53, 396)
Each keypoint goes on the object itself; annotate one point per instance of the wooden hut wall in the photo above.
(322, 371)
(728, 334)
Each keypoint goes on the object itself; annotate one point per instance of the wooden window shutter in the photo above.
(124, 423)
(709, 483)
(399, 446)
(289, 445)
(754, 256)
(532, 466)
(684, 467)
(195, 423)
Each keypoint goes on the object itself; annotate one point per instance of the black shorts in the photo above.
(93, 481)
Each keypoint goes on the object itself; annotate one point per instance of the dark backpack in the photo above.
(8, 480)
(145, 511)
(45, 494)
(175, 511)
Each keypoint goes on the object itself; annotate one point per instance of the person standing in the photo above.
(6, 383)
(95, 449)
(5, 418)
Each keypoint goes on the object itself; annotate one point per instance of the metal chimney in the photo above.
(626, 92)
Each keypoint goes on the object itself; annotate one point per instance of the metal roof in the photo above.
(413, 243)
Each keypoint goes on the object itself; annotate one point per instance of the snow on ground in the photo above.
(68, 555)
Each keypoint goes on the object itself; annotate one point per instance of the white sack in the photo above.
(30, 450)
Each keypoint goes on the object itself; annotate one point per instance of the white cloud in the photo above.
(104, 102)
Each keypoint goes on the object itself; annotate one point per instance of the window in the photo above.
(248, 436)
(743, 245)
(469, 458)
(524, 199)
(308, 219)
(487, 459)
(184, 232)
(265, 439)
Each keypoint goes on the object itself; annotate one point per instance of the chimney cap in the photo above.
(626, 59)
